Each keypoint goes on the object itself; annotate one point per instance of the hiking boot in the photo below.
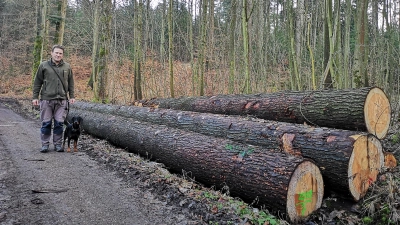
(59, 148)
(45, 148)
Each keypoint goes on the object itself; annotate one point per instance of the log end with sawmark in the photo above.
(365, 163)
(377, 113)
(305, 191)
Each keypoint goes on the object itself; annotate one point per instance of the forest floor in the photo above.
(158, 197)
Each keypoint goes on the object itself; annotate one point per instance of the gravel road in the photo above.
(67, 188)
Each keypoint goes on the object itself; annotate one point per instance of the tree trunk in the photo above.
(360, 78)
(60, 25)
(138, 52)
(364, 109)
(46, 26)
(246, 46)
(64, 6)
(170, 50)
(341, 153)
(347, 42)
(38, 45)
(327, 81)
(104, 54)
(299, 36)
(289, 184)
(96, 30)
(232, 60)
(203, 46)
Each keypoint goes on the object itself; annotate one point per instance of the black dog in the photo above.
(72, 131)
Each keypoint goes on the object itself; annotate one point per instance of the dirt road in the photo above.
(67, 188)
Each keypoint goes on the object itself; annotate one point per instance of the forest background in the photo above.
(122, 51)
(127, 50)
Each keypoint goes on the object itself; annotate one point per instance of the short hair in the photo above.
(57, 46)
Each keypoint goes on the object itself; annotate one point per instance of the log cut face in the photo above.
(365, 109)
(250, 172)
(330, 149)
(306, 188)
(349, 164)
(390, 160)
(377, 113)
(365, 164)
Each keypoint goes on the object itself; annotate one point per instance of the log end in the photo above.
(390, 160)
(377, 112)
(305, 192)
(366, 161)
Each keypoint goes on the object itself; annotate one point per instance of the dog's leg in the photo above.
(76, 145)
(69, 143)
(64, 142)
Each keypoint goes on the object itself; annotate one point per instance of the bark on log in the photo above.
(341, 154)
(365, 109)
(290, 185)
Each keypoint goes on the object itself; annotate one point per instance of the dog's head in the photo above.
(76, 121)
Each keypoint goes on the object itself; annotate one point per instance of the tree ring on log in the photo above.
(377, 112)
(305, 191)
(365, 163)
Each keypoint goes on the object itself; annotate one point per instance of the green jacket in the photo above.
(48, 84)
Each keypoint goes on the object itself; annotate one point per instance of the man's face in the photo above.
(57, 55)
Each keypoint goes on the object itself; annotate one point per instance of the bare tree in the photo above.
(232, 61)
(170, 49)
(203, 44)
(38, 44)
(138, 52)
(246, 52)
(101, 49)
(360, 77)
(62, 5)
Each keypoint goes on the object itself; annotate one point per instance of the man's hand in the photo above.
(72, 101)
(35, 102)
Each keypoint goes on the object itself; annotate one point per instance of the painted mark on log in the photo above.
(242, 151)
(330, 138)
(304, 198)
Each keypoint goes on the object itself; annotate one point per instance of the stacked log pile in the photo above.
(292, 185)
(279, 163)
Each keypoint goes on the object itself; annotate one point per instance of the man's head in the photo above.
(57, 53)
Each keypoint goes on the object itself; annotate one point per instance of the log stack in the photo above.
(291, 185)
(279, 163)
(341, 153)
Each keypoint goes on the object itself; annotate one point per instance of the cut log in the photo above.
(364, 109)
(390, 160)
(290, 185)
(341, 154)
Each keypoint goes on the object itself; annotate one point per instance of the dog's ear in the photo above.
(80, 119)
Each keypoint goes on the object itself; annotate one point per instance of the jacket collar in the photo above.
(53, 64)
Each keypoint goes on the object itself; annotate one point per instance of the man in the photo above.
(54, 82)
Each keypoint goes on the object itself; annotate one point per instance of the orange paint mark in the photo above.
(248, 105)
(330, 139)
(370, 181)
